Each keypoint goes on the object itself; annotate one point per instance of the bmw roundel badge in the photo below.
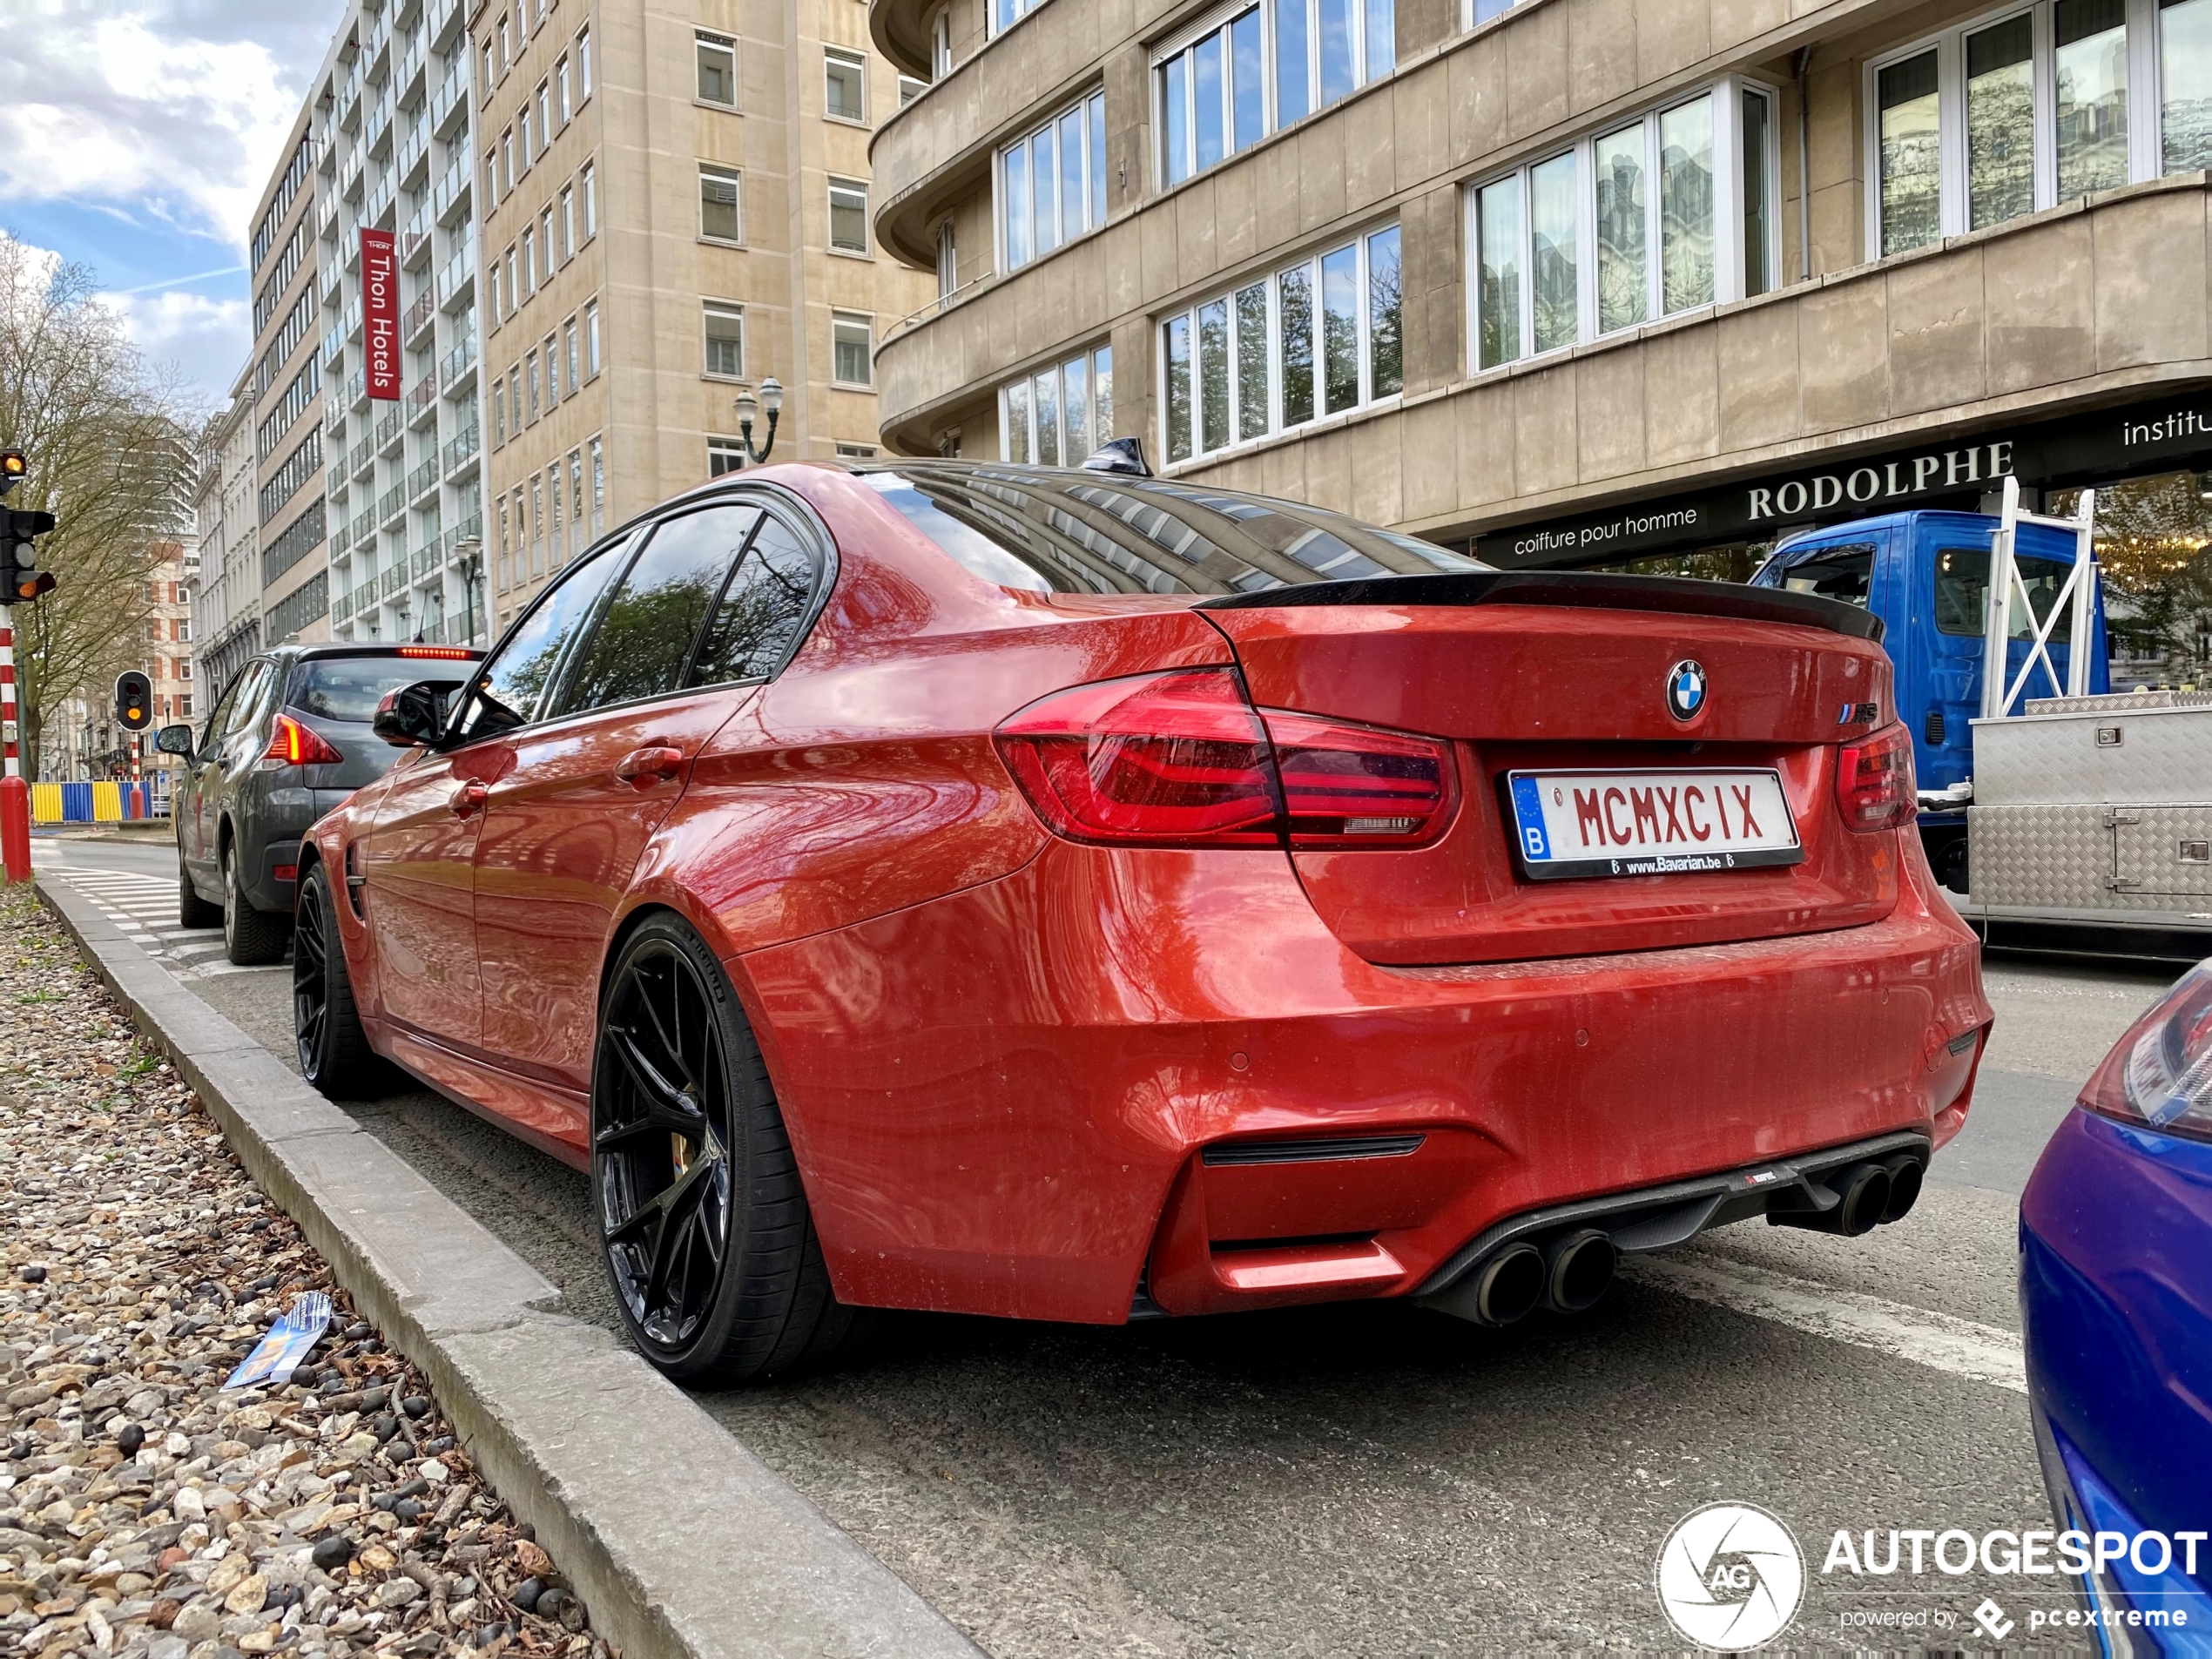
(1686, 690)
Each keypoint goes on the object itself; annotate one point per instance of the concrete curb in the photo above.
(680, 1540)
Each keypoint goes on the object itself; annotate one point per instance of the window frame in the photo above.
(704, 41)
(1089, 108)
(1268, 281)
(1058, 368)
(864, 321)
(854, 186)
(1726, 96)
(728, 310)
(835, 57)
(734, 177)
(2145, 106)
(993, 26)
(940, 43)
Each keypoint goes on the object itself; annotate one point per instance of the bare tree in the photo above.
(107, 439)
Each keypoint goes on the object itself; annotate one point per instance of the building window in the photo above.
(560, 80)
(1315, 339)
(910, 88)
(1226, 87)
(547, 246)
(515, 395)
(530, 263)
(498, 296)
(845, 90)
(720, 219)
(850, 349)
(856, 451)
(522, 136)
(940, 43)
(1662, 214)
(552, 371)
(530, 366)
(723, 454)
(591, 339)
(1002, 14)
(599, 488)
(1052, 183)
(583, 63)
(507, 159)
(491, 180)
(724, 326)
(718, 60)
(1057, 416)
(567, 221)
(947, 261)
(848, 211)
(574, 359)
(1994, 120)
(499, 411)
(590, 203)
(544, 114)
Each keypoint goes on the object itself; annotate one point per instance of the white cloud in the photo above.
(206, 338)
(148, 107)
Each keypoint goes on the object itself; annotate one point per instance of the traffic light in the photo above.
(12, 468)
(21, 580)
(133, 700)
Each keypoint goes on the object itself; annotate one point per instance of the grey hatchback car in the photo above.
(287, 741)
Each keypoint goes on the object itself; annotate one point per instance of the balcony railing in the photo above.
(341, 607)
(391, 504)
(421, 399)
(326, 218)
(456, 362)
(347, 96)
(378, 204)
(356, 389)
(376, 128)
(388, 431)
(327, 287)
(461, 449)
(412, 151)
(419, 314)
(363, 596)
(352, 322)
(364, 453)
(333, 424)
(410, 67)
(424, 478)
(363, 527)
(443, 15)
(457, 281)
(451, 98)
(350, 176)
(414, 240)
(392, 581)
(336, 479)
(326, 151)
(451, 194)
(334, 346)
(425, 559)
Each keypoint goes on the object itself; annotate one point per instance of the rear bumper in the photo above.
(1000, 1100)
(269, 835)
(2116, 1302)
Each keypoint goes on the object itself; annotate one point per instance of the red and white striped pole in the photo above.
(15, 795)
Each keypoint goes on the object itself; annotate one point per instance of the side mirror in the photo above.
(174, 740)
(414, 715)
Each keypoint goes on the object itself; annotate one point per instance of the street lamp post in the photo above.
(468, 553)
(749, 407)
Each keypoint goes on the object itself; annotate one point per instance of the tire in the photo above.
(192, 911)
(334, 1054)
(251, 938)
(704, 1225)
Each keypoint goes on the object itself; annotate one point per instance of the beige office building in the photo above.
(1572, 280)
(675, 205)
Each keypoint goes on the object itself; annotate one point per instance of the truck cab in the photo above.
(1927, 575)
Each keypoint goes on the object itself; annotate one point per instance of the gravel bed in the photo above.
(145, 1512)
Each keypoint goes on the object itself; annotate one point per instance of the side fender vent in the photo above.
(1313, 1150)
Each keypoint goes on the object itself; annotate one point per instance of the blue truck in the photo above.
(1927, 575)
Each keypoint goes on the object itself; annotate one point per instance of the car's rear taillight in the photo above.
(2159, 1075)
(1181, 760)
(293, 745)
(1874, 781)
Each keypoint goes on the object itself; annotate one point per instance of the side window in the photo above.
(1962, 594)
(761, 611)
(513, 684)
(1845, 573)
(644, 636)
(254, 701)
(218, 717)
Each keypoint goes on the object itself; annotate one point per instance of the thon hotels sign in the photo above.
(2096, 447)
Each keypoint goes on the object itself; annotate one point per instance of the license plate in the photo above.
(1571, 824)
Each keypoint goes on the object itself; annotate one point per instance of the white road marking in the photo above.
(1963, 1347)
(144, 910)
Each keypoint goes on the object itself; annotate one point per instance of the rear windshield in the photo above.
(1080, 532)
(349, 688)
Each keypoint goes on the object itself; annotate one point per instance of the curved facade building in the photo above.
(1574, 281)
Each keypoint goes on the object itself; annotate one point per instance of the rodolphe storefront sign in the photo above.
(2094, 448)
(381, 313)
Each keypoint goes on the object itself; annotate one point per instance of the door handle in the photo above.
(642, 768)
(469, 800)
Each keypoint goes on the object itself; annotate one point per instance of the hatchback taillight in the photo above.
(1874, 781)
(2159, 1075)
(1181, 760)
(293, 745)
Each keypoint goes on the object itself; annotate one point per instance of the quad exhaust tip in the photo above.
(1510, 1285)
(1864, 1195)
(1577, 1268)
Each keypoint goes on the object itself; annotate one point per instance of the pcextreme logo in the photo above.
(1731, 1576)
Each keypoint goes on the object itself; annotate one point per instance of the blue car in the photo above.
(2116, 1297)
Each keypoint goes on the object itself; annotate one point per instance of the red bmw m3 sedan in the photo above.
(1072, 894)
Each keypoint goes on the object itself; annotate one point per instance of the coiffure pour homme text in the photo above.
(1958, 1552)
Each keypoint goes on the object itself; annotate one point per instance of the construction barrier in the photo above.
(46, 803)
(106, 802)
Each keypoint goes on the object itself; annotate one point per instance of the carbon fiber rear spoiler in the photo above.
(1680, 595)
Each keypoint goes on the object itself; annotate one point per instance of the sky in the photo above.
(136, 135)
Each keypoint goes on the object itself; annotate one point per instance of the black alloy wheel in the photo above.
(251, 938)
(702, 1221)
(334, 1054)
